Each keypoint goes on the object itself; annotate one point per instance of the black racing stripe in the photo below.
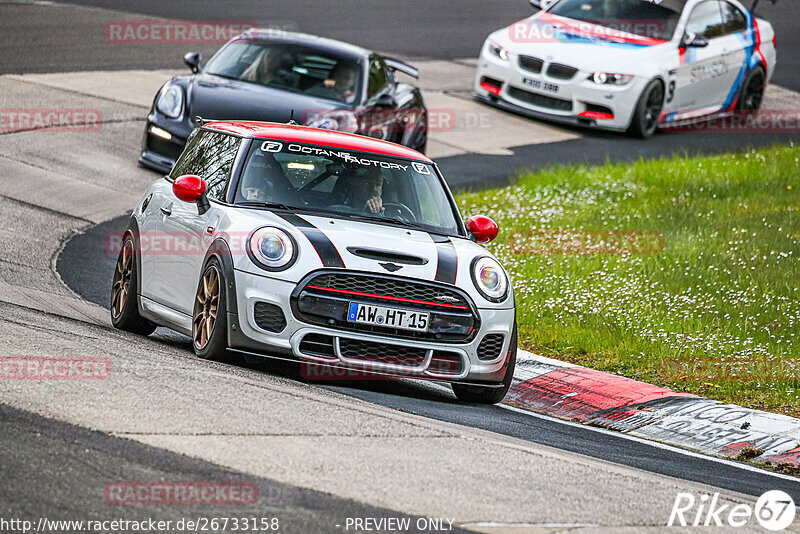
(325, 250)
(448, 260)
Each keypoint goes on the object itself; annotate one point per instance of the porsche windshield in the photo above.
(656, 20)
(290, 67)
(346, 184)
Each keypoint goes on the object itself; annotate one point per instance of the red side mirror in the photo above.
(189, 187)
(483, 228)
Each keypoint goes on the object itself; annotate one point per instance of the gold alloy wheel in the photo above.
(206, 305)
(120, 289)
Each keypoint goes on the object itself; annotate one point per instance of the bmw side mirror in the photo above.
(385, 101)
(482, 228)
(192, 188)
(192, 59)
(692, 40)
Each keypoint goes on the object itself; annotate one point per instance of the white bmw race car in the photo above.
(629, 65)
(341, 251)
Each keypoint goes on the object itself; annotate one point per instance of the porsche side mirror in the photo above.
(482, 228)
(192, 59)
(192, 188)
(385, 101)
(692, 40)
(541, 4)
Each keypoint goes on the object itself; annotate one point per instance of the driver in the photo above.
(259, 178)
(364, 190)
(341, 85)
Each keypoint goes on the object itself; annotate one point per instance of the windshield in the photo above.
(290, 67)
(352, 185)
(656, 20)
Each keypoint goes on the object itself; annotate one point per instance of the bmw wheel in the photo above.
(209, 321)
(484, 395)
(124, 293)
(648, 111)
(752, 91)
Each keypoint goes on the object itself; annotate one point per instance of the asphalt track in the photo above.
(42, 455)
(87, 269)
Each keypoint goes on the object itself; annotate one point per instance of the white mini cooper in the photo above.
(334, 249)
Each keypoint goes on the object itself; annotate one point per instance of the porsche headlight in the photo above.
(497, 51)
(271, 248)
(170, 101)
(489, 279)
(610, 78)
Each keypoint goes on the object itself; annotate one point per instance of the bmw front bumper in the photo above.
(576, 101)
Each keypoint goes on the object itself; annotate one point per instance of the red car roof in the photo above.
(316, 136)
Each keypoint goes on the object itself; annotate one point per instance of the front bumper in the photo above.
(577, 101)
(362, 351)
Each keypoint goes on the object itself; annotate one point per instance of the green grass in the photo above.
(716, 312)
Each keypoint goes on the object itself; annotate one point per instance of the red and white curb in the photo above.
(583, 395)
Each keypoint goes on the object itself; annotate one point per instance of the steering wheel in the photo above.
(400, 211)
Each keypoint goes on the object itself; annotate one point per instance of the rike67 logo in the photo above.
(774, 511)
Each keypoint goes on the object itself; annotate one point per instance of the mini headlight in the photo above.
(271, 248)
(489, 279)
(609, 78)
(498, 51)
(170, 102)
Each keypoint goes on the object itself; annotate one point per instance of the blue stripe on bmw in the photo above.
(749, 42)
(447, 265)
(325, 249)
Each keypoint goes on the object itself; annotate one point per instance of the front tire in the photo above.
(124, 293)
(484, 395)
(648, 111)
(209, 316)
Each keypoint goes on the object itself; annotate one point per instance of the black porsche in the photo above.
(277, 76)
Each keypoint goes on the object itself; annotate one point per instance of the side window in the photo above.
(378, 80)
(211, 157)
(706, 20)
(733, 19)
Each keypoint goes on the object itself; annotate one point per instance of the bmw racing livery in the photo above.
(326, 247)
(629, 65)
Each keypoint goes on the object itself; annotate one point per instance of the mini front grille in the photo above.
(318, 345)
(490, 346)
(531, 64)
(354, 349)
(269, 317)
(561, 72)
(391, 288)
(445, 363)
(542, 101)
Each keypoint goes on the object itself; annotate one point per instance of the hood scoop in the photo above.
(386, 255)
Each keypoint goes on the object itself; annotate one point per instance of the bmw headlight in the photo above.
(489, 279)
(610, 78)
(271, 248)
(170, 101)
(498, 51)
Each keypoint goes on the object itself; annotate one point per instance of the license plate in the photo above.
(390, 317)
(539, 84)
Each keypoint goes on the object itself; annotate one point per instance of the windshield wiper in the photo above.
(272, 205)
(387, 220)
